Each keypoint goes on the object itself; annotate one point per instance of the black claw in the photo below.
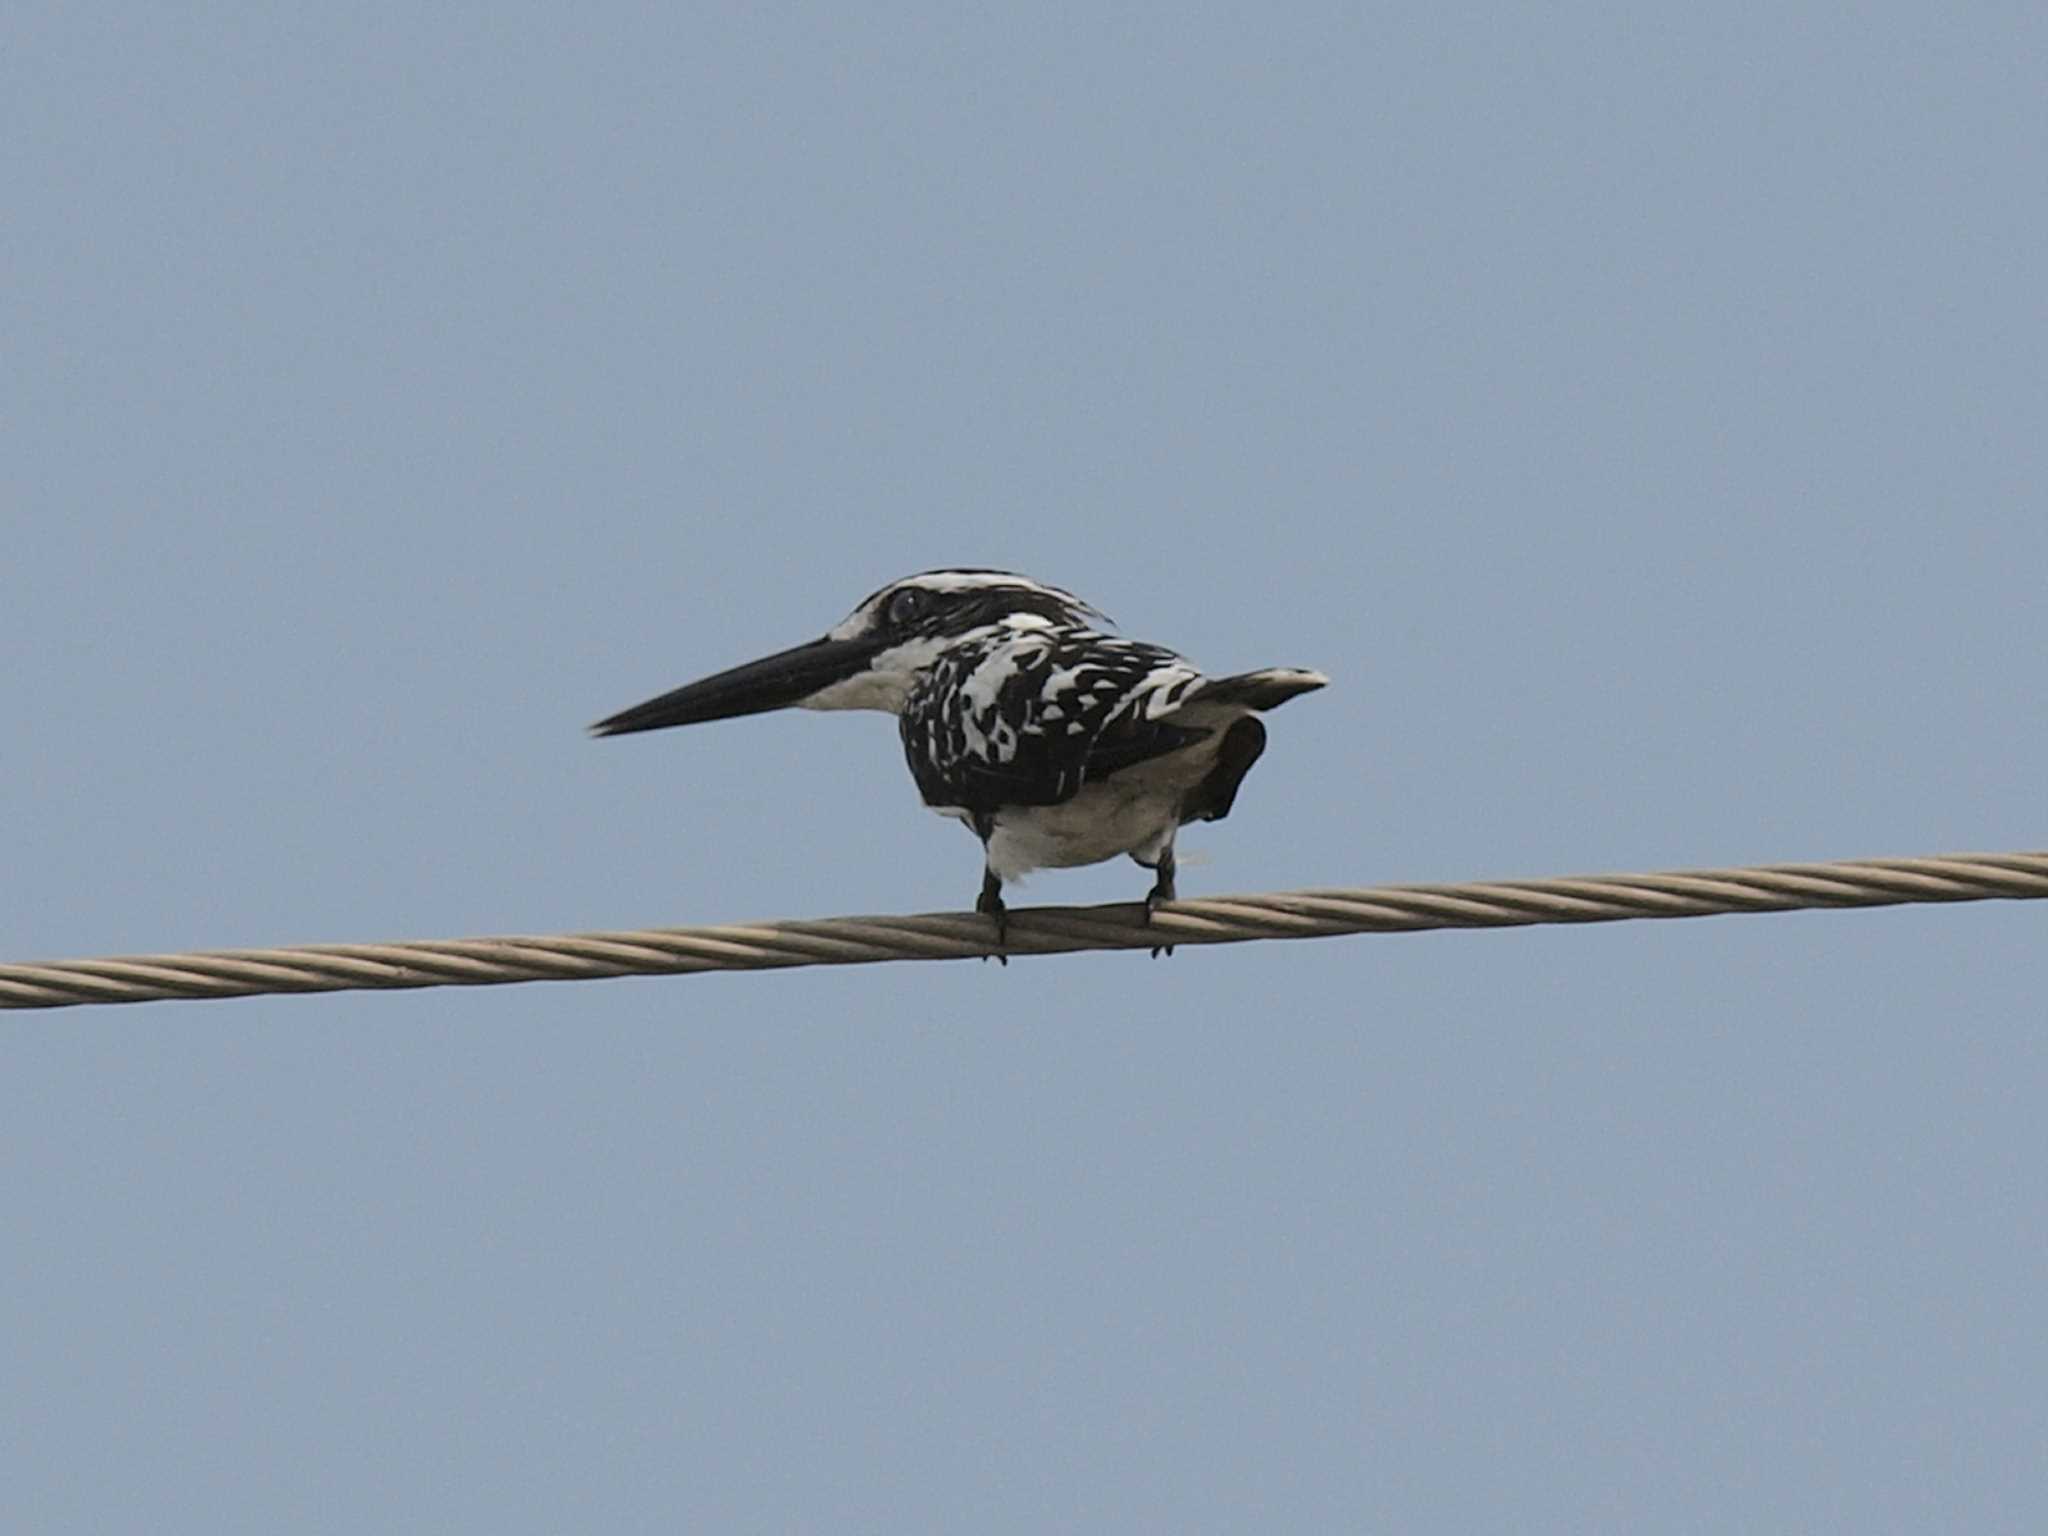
(1162, 891)
(990, 901)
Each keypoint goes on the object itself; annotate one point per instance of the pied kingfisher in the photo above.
(1057, 743)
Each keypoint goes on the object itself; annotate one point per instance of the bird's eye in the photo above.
(908, 605)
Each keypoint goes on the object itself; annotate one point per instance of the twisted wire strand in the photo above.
(1032, 930)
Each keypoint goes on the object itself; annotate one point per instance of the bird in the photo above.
(1022, 714)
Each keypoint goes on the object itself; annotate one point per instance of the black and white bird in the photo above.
(1056, 741)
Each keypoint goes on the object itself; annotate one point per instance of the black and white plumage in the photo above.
(1056, 741)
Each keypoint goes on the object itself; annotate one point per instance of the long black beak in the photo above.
(773, 682)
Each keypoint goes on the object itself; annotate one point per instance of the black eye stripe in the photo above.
(908, 605)
(920, 607)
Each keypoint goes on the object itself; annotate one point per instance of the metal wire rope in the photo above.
(1032, 930)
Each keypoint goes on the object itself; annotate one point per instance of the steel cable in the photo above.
(1032, 930)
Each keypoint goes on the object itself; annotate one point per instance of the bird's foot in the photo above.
(1162, 891)
(990, 901)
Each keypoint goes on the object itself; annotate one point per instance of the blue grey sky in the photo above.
(1638, 413)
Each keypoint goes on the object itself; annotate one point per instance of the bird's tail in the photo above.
(1268, 688)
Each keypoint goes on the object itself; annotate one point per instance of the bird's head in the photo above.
(872, 658)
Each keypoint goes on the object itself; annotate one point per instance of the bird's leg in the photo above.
(991, 901)
(1162, 890)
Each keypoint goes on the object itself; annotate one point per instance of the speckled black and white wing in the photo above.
(1026, 715)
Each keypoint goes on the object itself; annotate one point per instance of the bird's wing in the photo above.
(1029, 720)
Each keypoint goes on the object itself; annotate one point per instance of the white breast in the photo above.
(1135, 812)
